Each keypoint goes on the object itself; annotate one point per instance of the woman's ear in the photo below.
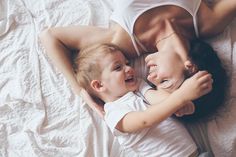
(97, 86)
(191, 68)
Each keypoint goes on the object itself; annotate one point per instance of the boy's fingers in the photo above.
(206, 85)
(200, 74)
(192, 109)
(206, 89)
(205, 78)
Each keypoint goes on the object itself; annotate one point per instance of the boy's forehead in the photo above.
(111, 58)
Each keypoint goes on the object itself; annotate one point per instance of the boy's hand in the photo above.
(196, 86)
(188, 109)
(92, 104)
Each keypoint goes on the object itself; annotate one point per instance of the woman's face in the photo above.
(166, 70)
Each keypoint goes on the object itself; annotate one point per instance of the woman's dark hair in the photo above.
(205, 58)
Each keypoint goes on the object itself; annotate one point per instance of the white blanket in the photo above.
(39, 114)
(222, 130)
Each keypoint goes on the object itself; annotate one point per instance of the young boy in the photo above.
(148, 130)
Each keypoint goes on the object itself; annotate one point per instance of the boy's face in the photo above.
(118, 77)
(167, 70)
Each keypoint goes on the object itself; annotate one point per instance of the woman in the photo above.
(139, 27)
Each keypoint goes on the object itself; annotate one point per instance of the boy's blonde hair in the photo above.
(87, 64)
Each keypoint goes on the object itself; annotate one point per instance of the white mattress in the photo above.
(39, 114)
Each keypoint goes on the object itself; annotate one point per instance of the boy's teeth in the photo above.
(130, 77)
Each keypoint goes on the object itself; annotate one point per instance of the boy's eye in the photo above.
(118, 67)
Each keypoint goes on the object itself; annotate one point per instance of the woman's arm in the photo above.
(58, 43)
(214, 18)
(60, 55)
(193, 88)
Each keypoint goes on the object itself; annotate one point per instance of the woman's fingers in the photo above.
(99, 110)
(91, 103)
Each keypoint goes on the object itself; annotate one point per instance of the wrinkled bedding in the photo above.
(39, 114)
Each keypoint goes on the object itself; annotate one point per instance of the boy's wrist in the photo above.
(181, 96)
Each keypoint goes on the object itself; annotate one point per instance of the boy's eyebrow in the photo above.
(114, 63)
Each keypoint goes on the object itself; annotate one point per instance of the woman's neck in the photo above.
(120, 37)
(175, 42)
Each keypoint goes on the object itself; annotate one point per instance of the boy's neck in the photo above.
(107, 98)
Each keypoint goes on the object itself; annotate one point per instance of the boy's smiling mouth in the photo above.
(130, 79)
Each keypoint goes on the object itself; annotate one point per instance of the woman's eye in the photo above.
(163, 81)
(165, 84)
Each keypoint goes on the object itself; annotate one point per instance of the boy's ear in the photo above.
(96, 85)
(192, 68)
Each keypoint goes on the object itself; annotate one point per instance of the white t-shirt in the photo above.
(167, 139)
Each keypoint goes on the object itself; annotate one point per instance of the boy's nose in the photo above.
(128, 69)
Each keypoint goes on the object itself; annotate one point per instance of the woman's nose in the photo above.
(149, 59)
(153, 78)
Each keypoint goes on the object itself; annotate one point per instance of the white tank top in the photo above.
(126, 13)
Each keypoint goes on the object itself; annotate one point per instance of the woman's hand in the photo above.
(92, 104)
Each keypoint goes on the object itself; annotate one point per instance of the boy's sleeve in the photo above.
(144, 87)
(114, 113)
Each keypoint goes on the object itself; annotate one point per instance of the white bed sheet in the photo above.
(39, 114)
(222, 130)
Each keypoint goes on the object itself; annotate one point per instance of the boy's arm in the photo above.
(193, 88)
(136, 120)
(155, 97)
